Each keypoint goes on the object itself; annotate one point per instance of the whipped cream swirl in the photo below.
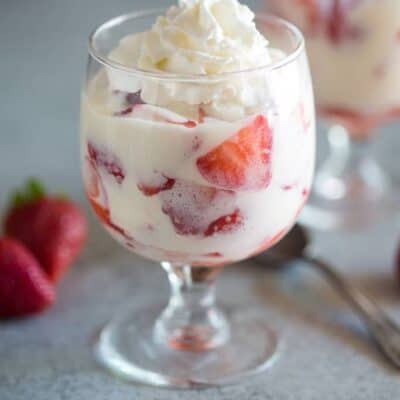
(204, 37)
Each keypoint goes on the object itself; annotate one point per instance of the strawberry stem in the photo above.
(32, 190)
(35, 189)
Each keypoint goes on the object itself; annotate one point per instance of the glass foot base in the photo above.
(127, 347)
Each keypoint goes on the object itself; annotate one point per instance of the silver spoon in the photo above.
(385, 331)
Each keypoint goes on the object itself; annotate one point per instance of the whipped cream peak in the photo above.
(202, 37)
(208, 38)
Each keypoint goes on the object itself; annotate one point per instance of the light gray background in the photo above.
(326, 354)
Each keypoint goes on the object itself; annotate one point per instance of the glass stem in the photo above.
(349, 170)
(191, 320)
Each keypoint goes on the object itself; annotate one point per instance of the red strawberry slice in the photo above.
(225, 224)
(243, 162)
(97, 197)
(103, 214)
(130, 100)
(93, 184)
(95, 190)
(213, 254)
(193, 208)
(311, 11)
(338, 26)
(24, 287)
(134, 98)
(103, 159)
(150, 189)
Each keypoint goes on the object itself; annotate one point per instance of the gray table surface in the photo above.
(327, 353)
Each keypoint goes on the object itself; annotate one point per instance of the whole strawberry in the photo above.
(24, 287)
(52, 228)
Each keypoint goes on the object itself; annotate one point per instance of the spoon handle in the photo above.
(384, 330)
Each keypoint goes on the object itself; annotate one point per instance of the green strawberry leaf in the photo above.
(31, 191)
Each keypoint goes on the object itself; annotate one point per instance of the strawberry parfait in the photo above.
(354, 51)
(185, 171)
(197, 150)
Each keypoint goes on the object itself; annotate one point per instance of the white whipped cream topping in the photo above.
(204, 37)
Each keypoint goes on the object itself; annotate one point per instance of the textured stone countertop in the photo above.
(327, 353)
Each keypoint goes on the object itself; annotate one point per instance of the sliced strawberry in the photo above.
(289, 186)
(202, 115)
(338, 26)
(103, 214)
(150, 189)
(95, 190)
(192, 208)
(242, 162)
(225, 224)
(104, 159)
(311, 11)
(93, 183)
(129, 101)
(97, 197)
(125, 111)
(134, 98)
(213, 254)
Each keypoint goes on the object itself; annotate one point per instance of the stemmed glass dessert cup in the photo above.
(195, 189)
(354, 52)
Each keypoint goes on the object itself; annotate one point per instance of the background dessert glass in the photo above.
(151, 166)
(354, 52)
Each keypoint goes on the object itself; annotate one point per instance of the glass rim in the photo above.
(107, 62)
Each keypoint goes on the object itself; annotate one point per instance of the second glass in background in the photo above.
(354, 52)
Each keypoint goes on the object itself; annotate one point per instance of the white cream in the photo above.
(198, 37)
(360, 74)
(203, 37)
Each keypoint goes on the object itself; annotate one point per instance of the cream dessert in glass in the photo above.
(197, 150)
(354, 52)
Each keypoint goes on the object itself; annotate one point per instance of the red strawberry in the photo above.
(150, 189)
(129, 100)
(104, 159)
(193, 208)
(95, 190)
(242, 161)
(97, 197)
(24, 287)
(134, 98)
(53, 229)
(225, 224)
(338, 26)
(312, 13)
